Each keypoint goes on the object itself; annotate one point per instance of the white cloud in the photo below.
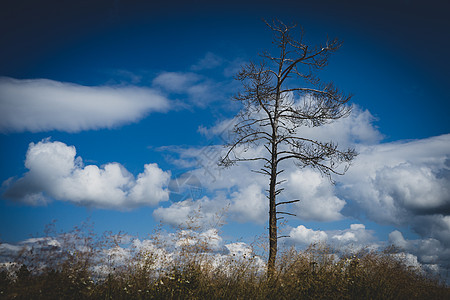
(176, 82)
(306, 236)
(203, 213)
(55, 173)
(249, 204)
(404, 183)
(316, 195)
(246, 189)
(208, 240)
(220, 129)
(356, 129)
(395, 182)
(176, 214)
(149, 186)
(239, 249)
(197, 89)
(354, 238)
(432, 253)
(41, 105)
(159, 253)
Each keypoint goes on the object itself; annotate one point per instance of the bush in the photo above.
(83, 266)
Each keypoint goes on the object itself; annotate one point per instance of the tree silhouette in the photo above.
(280, 94)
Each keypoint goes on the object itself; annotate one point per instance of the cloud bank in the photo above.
(56, 173)
(404, 184)
(396, 182)
(38, 105)
(245, 192)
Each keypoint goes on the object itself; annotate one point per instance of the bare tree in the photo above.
(275, 107)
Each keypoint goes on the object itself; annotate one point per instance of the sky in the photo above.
(114, 112)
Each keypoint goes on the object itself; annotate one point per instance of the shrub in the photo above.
(80, 265)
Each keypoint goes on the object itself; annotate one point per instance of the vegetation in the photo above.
(84, 266)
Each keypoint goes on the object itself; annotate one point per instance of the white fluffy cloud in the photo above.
(41, 105)
(192, 213)
(249, 204)
(246, 189)
(244, 205)
(316, 195)
(404, 183)
(355, 237)
(394, 183)
(356, 129)
(306, 236)
(55, 173)
(176, 214)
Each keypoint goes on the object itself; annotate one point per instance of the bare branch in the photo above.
(262, 171)
(286, 213)
(283, 236)
(287, 202)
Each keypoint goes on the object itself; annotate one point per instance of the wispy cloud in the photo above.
(38, 105)
(196, 89)
(55, 173)
(209, 61)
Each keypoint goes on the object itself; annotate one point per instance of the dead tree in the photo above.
(280, 94)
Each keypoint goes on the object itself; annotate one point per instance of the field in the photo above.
(81, 265)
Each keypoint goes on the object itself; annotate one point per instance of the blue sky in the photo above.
(104, 106)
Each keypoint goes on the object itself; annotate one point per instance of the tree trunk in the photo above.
(273, 235)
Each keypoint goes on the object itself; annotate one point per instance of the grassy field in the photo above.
(83, 266)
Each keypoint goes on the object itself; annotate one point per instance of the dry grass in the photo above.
(83, 266)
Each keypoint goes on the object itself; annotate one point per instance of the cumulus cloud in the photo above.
(203, 212)
(208, 240)
(404, 183)
(56, 173)
(435, 226)
(176, 214)
(316, 195)
(396, 182)
(244, 205)
(306, 236)
(159, 253)
(355, 237)
(357, 129)
(249, 204)
(430, 252)
(38, 105)
(246, 190)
